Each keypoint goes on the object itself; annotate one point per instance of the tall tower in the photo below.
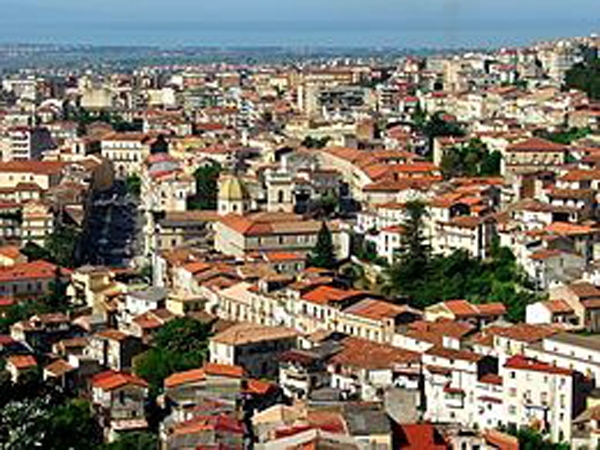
(280, 191)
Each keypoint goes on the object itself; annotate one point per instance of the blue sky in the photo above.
(335, 22)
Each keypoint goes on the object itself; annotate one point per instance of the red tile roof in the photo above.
(21, 362)
(189, 376)
(523, 363)
(558, 307)
(523, 332)
(422, 436)
(32, 270)
(324, 295)
(461, 308)
(201, 424)
(452, 354)
(379, 309)
(110, 380)
(36, 167)
(224, 370)
(536, 145)
(364, 354)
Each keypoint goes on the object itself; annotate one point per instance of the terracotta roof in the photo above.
(536, 145)
(189, 376)
(247, 333)
(324, 295)
(379, 309)
(59, 367)
(546, 253)
(558, 307)
(461, 308)
(523, 332)
(568, 229)
(500, 441)
(210, 423)
(260, 387)
(109, 380)
(435, 331)
(36, 167)
(21, 362)
(11, 251)
(523, 363)
(453, 354)
(491, 378)
(585, 290)
(491, 309)
(112, 334)
(224, 370)
(279, 257)
(420, 437)
(364, 354)
(32, 270)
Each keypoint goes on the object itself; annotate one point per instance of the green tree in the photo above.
(140, 440)
(33, 252)
(409, 273)
(438, 126)
(323, 254)
(181, 344)
(313, 142)
(206, 187)
(473, 159)
(62, 245)
(45, 421)
(532, 440)
(134, 185)
(585, 77)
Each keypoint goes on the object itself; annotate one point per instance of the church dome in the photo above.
(231, 188)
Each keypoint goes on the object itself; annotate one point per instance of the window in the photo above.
(513, 374)
(512, 410)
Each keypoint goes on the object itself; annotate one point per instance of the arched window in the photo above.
(280, 196)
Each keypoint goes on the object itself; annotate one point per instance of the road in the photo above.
(112, 228)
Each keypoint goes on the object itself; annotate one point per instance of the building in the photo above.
(542, 396)
(274, 232)
(255, 348)
(29, 143)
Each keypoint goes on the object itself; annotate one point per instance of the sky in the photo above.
(398, 23)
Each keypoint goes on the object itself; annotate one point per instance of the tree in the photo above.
(473, 159)
(57, 299)
(532, 440)
(323, 254)
(62, 245)
(206, 187)
(33, 252)
(139, 440)
(134, 185)
(585, 76)
(181, 344)
(48, 421)
(313, 142)
(436, 126)
(408, 274)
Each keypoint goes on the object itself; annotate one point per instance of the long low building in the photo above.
(274, 232)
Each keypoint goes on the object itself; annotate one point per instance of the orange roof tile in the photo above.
(523, 363)
(189, 376)
(224, 370)
(324, 295)
(110, 380)
(21, 362)
(365, 354)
